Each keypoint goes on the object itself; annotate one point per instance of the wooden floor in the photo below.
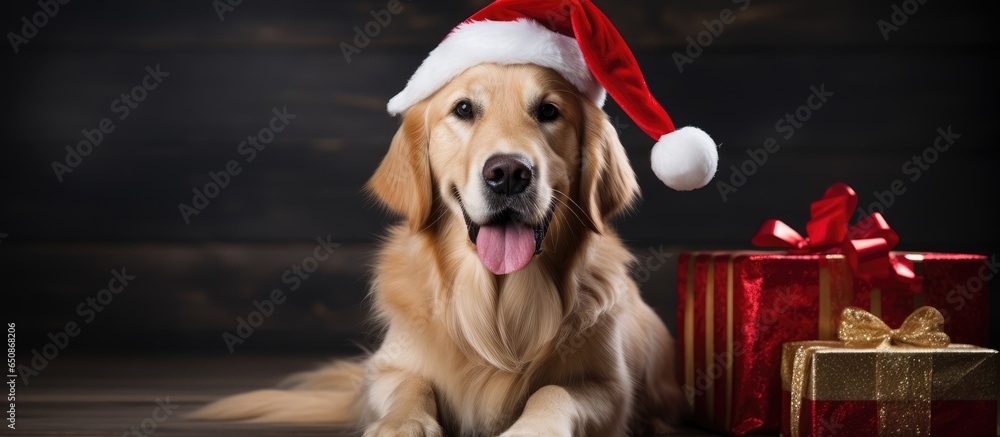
(107, 397)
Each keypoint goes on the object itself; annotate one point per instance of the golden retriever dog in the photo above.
(505, 296)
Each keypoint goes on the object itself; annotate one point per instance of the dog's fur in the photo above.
(563, 347)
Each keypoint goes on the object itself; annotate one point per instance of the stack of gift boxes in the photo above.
(798, 341)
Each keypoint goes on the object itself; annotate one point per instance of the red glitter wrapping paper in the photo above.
(860, 418)
(735, 309)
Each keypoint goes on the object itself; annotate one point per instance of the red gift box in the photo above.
(735, 309)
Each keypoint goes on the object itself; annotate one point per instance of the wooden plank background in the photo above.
(108, 395)
(119, 207)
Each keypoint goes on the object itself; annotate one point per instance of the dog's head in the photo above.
(504, 149)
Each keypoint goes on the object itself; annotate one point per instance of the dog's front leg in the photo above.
(589, 408)
(404, 404)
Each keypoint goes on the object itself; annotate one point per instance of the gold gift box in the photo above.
(903, 381)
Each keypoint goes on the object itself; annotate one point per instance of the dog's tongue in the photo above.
(505, 248)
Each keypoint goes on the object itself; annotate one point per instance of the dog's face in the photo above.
(504, 149)
(504, 144)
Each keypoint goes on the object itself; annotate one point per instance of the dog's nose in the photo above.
(507, 174)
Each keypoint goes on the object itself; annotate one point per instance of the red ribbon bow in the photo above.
(866, 244)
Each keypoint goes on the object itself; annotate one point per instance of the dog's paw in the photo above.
(405, 427)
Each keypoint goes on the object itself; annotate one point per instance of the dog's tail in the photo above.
(330, 394)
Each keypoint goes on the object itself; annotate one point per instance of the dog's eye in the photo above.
(547, 112)
(463, 110)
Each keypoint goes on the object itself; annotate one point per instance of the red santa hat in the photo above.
(578, 41)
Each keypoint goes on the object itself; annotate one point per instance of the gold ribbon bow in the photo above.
(863, 330)
(903, 388)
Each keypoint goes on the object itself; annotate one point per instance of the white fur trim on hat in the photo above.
(522, 41)
(685, 159)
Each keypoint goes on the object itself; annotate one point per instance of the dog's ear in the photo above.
(607, 183)
(402, 181)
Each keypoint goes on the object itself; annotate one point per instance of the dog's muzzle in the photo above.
(506, 243)
(508, 239)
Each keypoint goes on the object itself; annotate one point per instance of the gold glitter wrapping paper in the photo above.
(884, 365)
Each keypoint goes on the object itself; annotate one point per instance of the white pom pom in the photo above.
(685, 159)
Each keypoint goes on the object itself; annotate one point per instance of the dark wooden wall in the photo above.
(119, 208)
